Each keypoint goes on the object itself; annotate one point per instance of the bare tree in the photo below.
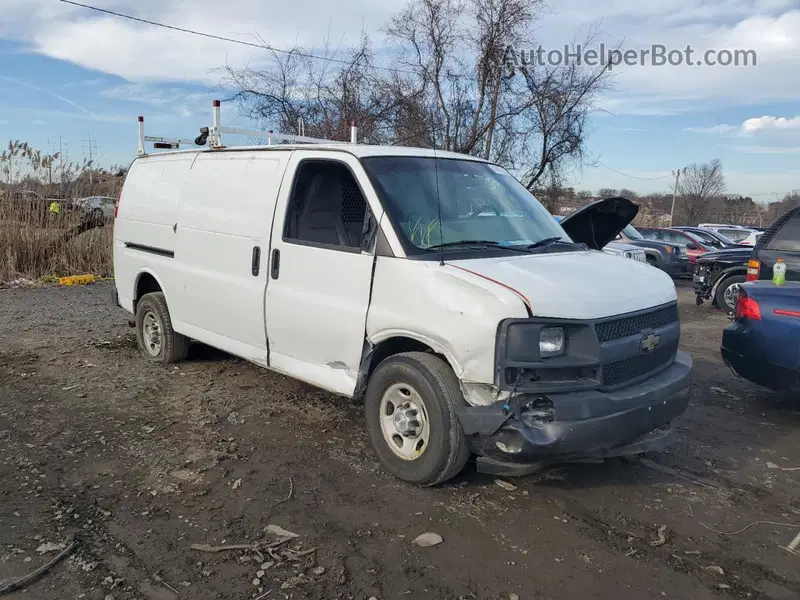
(324, 96)
(448, 88)
(738, 210)
(698, 186)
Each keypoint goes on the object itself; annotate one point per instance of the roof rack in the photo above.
(212, 136)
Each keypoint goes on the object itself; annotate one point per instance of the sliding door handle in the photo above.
(255, 265)
(275, 267)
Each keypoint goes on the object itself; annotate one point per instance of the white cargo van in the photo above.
(432, 286)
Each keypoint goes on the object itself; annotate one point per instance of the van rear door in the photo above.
(320, 276)
(227, 206)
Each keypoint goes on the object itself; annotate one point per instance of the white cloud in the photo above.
(141, 53)
(771, 123)
(754, 126)
(714, 129)
(39, 122)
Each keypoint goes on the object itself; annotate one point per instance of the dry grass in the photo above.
(35, 244)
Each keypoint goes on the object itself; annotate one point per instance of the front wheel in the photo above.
(728, 292)
(410, 407)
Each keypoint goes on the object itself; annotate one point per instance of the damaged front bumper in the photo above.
(516, 438)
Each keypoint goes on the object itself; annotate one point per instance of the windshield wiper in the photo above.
(478, 243)
(550, 241)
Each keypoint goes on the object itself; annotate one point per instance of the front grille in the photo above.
(640, 256)
(619, 372)
(627, 326)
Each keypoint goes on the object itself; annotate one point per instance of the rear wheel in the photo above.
(157, 340)
(410, 408)
(728, 291)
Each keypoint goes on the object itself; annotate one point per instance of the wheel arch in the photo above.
(147, 282)
(381, 347)
(729, 272)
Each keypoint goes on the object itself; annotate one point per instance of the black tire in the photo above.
(173, 347)
(429, 376)
(652, 261)
(723, 287)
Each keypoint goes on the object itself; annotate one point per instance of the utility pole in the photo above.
(90, 148)
(677, 175)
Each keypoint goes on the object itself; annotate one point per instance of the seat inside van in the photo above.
(327, 206)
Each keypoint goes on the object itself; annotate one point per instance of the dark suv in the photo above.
(720, 274)
(780, 240)
(670, 258)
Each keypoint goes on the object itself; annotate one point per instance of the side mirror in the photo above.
(692, 247)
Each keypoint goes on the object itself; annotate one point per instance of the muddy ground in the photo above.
(138, 462)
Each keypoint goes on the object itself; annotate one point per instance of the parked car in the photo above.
(751, 239)
(720, 274)
(735, 233)
(693, 245)
(357, 269)
(670, 258)
(621, 249)
(97, 209)
(761, 344)
(716, 241)
(780, 240)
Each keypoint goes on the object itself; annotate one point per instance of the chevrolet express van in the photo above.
(432, 286)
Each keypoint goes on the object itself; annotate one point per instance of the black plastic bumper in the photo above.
(677, 267)
(585, 425)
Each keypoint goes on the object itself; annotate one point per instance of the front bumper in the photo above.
(702, 282)
(677, 267)
(581, 425)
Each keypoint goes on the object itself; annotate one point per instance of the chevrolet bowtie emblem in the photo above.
(650, 342)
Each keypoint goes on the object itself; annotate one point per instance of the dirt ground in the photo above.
(137, 462)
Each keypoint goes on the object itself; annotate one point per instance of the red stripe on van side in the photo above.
(500, 283)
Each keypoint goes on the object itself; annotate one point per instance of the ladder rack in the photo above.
(212, 136)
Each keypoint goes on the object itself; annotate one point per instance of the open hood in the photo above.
(600, 222)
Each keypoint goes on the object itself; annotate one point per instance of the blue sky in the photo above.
(70, 74)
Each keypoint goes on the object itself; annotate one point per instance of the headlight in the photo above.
(628, 254)
(551, 342)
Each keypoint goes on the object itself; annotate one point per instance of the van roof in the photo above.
(357, 150)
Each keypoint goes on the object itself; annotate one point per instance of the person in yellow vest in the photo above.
(55, 208)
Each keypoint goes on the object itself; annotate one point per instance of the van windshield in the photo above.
(476, 202)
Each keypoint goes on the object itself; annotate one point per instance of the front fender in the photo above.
(722, 275)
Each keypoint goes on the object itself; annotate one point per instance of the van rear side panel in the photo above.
(144, 236)
(227, 207)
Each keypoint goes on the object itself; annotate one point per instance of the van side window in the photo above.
(326, 206)
(788, 237)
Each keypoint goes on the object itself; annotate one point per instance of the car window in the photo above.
(326, 207)
(446, 201)
(788, 238)
(737, 235)
(632, 233)
(706, 237)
